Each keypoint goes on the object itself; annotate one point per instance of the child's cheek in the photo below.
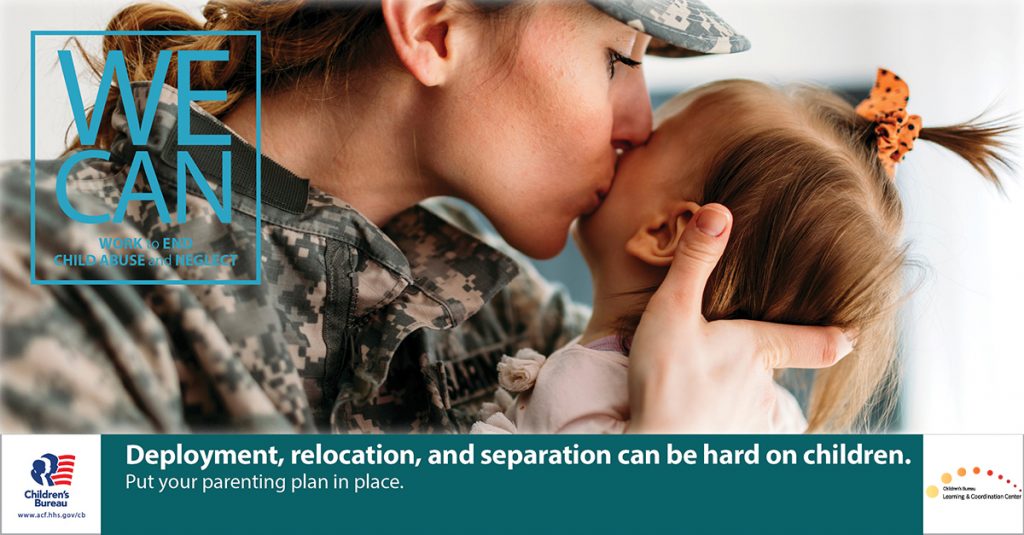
(602, 233)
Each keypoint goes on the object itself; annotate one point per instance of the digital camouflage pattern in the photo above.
(678, 28)
(352, 328)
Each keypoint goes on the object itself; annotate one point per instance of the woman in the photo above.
(373, 312)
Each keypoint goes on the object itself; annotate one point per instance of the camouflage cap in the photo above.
(679, 28)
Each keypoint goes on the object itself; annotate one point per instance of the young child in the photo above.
(816, 241)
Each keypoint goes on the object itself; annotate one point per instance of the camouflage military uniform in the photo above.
(353, 328)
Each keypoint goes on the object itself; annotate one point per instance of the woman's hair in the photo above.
(817, 237)
(302, 41)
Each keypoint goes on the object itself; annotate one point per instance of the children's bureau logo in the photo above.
(50, 470)
(50, 483)
(148, 156)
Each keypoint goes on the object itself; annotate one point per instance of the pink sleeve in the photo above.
(577, 391)
(788, 416)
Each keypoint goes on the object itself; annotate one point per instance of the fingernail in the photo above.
(851, 335)
(848, 343)
(712, 222)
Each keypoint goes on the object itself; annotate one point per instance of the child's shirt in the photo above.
(582, 389)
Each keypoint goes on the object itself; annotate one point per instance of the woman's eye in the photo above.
(614, 57)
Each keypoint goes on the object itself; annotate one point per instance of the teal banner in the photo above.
(453, 484)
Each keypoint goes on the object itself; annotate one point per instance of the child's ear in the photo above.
(655, 242)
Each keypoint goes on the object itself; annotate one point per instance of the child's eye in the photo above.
(614, 57)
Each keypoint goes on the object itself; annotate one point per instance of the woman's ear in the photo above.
(419, 32)
(655, 242)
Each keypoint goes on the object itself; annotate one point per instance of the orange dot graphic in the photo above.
(989, 472)
(961, 472)
(946, 478)
(932, 491)
(976, 469)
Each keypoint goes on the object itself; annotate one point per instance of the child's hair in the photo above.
(817, 225)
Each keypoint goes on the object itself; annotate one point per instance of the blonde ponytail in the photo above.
(981, 143)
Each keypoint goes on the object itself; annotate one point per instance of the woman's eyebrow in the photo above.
(627, 38)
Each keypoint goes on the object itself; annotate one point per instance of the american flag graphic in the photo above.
(65, 469)
(50, 470)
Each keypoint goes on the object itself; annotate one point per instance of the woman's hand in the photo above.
(688, 375)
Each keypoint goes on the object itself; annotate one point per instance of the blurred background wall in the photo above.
(961, 347)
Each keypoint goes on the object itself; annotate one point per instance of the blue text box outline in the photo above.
(32, 173)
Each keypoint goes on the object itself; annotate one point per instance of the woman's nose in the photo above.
(632, 117)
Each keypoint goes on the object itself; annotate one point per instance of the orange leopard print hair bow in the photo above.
(886, 106)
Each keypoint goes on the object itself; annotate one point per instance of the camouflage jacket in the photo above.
(351, 328)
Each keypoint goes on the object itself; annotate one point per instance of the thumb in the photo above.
(699, 250)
